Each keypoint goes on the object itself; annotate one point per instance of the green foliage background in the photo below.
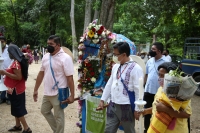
(32, 21)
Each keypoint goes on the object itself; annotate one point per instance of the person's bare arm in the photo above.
(38, 82)
(16, 75)
(160, 107)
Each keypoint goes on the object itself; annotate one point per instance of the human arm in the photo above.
(161, 107)
(70, 82)
(17, 74)
(38, 82)
(106, 91)
(145, 78)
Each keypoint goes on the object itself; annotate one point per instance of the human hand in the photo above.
(2, 72)
(35, 96)
(101, 105)
(69, 100)
(137, 114)
(9, 91)
(160, 107)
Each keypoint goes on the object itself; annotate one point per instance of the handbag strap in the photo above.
(52, 72)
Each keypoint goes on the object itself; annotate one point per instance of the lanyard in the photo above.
(119, 73)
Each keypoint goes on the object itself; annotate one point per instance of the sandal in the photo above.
(15, 128)
(27, 131)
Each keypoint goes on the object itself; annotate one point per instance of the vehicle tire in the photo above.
(197, 79)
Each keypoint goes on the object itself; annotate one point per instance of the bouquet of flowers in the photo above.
(95, 33)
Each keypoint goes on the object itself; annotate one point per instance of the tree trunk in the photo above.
(87, 14)
(154, 38)
(96, 12)
(74, 40)
(107, 13)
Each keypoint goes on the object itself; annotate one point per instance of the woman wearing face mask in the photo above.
(15, 77)
(180, 123)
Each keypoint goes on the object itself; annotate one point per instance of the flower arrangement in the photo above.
(95, 33)
(93, 56)
(88, 73)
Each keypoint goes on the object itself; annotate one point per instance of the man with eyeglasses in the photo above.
(125, 76)
(6, 64)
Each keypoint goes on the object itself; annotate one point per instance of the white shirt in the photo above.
(114, 86)
(169, 58)
(7, 61)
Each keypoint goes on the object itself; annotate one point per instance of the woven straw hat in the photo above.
(67, 51)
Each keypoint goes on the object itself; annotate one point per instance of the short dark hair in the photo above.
(3, 38)
(167, 51)
(123, 47)
(55, 38)
(169, 66)
(159, 46)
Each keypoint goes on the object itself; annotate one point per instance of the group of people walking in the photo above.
(16, 73)
(126, 74)
(122, 84)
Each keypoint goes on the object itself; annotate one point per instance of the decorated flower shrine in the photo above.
(95, 63)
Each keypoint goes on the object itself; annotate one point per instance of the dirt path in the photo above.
(39, 125)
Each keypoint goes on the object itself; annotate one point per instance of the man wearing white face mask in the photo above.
(124, 80)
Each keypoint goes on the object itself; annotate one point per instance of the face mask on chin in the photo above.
(152, 53)
(115, 59)
(50, 49)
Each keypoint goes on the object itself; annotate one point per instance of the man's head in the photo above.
(142, 54)
(3, 41)
(121, 52)
(54, 44)
(165, 52)
(156, 49)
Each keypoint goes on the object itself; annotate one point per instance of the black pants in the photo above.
(149, 98)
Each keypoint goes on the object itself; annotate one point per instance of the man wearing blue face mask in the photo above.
(151, 77)
(124, 79)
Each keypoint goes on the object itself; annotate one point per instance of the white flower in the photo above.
(95, 40)
(93, 79)
(97, 28)
(103, 34)
(81, 39)
(89, 27)
(95, 36)
(93, 25)
(80, 53)
(90, 24)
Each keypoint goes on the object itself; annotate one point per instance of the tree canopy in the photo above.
(32, 21)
